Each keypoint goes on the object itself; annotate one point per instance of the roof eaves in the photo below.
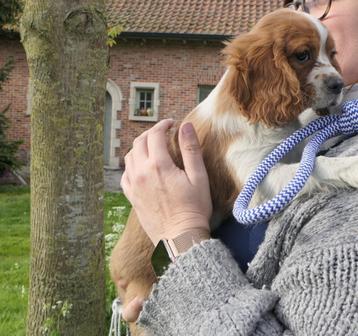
(175, 36)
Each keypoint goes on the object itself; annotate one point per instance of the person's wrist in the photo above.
(167, 250)
(177, 226)
(177, 238)
(182, 241)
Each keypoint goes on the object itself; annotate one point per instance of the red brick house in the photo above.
(165, 62)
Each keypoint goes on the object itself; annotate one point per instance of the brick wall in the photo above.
(15, 93)
(178, 67)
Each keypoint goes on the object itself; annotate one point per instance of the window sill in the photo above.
(153, 118)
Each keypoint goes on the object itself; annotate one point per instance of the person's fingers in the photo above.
(140, 147)
(121, 283)
(192, 156)
(128, 162)
(164, 124)
(132, 310)
(125, 184)
(158, 143)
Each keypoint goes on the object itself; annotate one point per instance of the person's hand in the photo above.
(168, 201)
(132, 310)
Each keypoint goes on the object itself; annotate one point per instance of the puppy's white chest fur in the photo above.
(253, 144)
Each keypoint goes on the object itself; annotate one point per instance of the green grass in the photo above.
(112, 200)
(14, 254)
(14, 259)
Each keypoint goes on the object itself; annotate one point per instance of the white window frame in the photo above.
(134, 86)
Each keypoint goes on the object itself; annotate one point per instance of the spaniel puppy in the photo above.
(284, 66)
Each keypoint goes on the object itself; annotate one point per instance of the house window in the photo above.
(144, 101)
(204, 91)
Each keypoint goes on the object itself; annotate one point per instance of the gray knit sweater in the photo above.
(303, 280)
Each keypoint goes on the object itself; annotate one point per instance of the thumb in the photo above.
(191, 152)
(132, 310)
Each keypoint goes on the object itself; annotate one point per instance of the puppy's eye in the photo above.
(303, 56)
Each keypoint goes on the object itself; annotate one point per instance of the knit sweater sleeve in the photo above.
(309, 260)
(205, 293)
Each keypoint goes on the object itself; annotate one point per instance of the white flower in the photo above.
(23, 291)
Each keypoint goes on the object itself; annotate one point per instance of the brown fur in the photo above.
(136, 248)
(265, 83)
(214, 147)
(264, 75)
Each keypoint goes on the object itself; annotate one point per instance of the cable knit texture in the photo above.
(303, 280)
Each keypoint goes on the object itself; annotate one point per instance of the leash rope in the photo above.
(328, 126)
(116, 321)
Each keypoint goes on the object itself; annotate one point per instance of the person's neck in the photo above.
(350, 79)
(347, 59)
(351, 92)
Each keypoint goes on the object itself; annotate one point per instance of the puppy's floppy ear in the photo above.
(264, 83)
(282, 99)
(238, 84)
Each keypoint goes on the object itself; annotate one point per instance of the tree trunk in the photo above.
(67, 57)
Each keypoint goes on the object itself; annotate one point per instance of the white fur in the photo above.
(324, 67)
(255, 141)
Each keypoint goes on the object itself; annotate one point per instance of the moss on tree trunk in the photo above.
(67, 57)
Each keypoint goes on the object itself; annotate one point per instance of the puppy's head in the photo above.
(283, 66)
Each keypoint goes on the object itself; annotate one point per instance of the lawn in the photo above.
(15, 247)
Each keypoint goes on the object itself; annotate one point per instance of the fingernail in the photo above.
(188, 129)
(169, 120)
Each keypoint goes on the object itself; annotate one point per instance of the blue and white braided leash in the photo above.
(328, 126)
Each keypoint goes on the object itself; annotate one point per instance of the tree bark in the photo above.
(65, 44)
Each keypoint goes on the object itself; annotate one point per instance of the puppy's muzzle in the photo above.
(334, 84)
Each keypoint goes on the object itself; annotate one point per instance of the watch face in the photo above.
(160, 259)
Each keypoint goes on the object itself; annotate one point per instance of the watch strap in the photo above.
(185, 241)
(167, 250)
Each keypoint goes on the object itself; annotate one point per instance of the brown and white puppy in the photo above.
(284, 66)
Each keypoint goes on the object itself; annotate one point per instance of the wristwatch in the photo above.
(167, 250)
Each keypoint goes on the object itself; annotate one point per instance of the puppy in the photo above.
(284, 66)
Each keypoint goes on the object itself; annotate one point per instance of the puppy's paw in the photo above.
(349, 175)
(339, 172)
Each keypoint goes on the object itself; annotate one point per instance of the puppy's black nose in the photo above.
(334, 84)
